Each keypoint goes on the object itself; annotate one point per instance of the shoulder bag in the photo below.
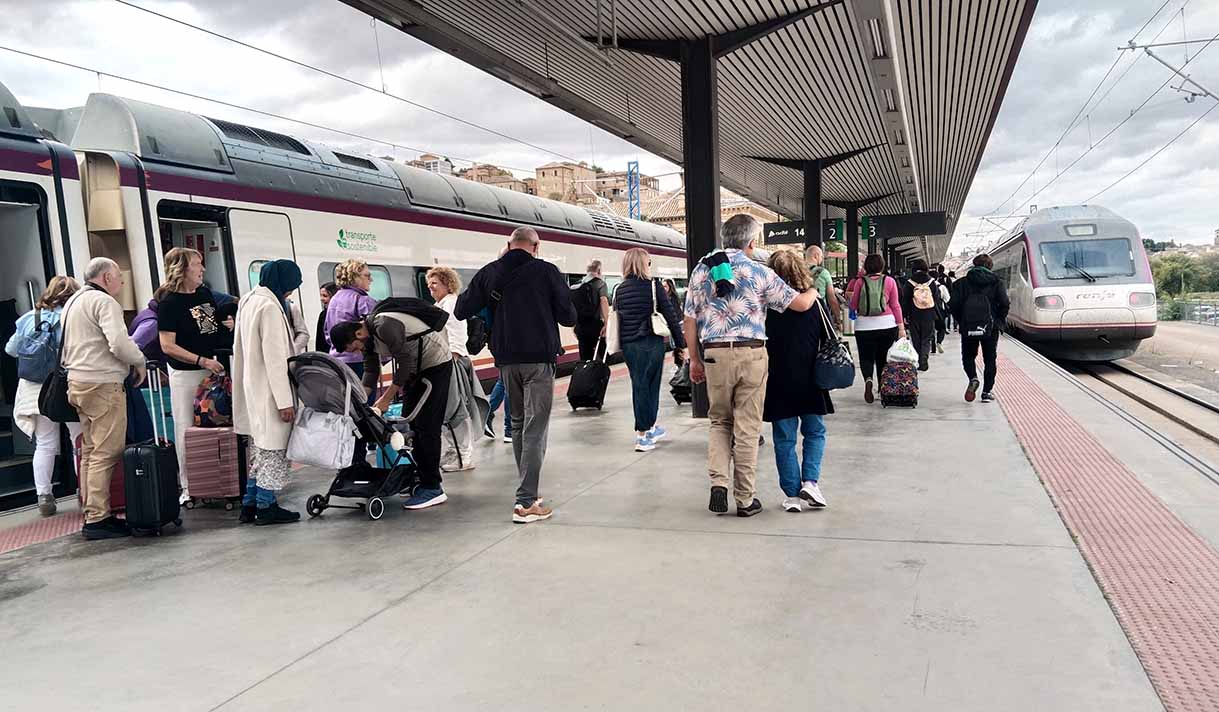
(53, 396)
(660, 327)
(833, 368)
(613, 341)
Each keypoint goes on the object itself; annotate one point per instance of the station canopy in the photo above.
(913, 85)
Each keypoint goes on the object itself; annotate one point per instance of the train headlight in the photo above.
(1049, 301)
(1142, 299)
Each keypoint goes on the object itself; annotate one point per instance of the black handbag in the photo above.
(53, 396)
(833, 367)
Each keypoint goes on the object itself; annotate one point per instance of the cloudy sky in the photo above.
(1071, 45)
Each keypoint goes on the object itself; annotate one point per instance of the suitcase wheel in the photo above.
(315, 505)
(376, 508)
(189, 504)
(228, 505)
(178, 523)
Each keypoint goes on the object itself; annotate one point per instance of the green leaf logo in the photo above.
(342, 241)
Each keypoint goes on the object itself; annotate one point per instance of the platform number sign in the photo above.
(833, 230)
(783, 233)
(868, 228)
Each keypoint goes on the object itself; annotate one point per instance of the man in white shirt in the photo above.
(98, 356)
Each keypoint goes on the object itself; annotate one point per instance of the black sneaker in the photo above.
(109, 528)
(753, 508)
(971, 390)
(488, 430)
(275, 514)
(248, 514)
(719, 500)
(988, 397)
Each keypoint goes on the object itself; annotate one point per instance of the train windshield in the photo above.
(1088, 259)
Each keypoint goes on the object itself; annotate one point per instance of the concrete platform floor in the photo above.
(940, 578)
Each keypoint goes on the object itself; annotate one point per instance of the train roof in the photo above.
(1051, 223)
(178, 138)
(15, 121)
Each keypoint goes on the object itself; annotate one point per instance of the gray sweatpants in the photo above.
(530, 396)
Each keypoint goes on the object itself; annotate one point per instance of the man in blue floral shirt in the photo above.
(725, 311)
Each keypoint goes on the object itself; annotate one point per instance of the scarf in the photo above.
(281, 277)
(721, 272)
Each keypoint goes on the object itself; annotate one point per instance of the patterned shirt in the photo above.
(742, 315)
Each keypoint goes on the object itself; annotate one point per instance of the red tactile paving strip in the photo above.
(40, 530)
(1161, 579)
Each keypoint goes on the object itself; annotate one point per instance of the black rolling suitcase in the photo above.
(586, 389)
(151, 473)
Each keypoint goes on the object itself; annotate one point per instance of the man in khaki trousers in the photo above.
(725, 313)
(98, 355)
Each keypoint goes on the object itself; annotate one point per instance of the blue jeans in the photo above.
(499, 395)
(645, 359)
(256, 496)
(792, 471)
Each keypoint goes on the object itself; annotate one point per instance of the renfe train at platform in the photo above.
(1079, 282)
(129, 180)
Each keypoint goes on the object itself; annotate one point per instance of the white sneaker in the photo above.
(454, 467)
(183, 498)
(791, 504)
(643, 443)
(508, 439)
(811, 493)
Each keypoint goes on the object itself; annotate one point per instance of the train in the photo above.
(1080, 284)
(130, 180)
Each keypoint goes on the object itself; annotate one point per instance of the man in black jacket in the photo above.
(528, 298)
(979, 305)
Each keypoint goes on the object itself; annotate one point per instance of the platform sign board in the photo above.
(905, 225)
(833, 230)
(783, 233)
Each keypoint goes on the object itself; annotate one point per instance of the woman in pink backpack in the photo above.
(921, 306)
(876, 301)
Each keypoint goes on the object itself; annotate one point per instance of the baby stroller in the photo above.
(323, 383)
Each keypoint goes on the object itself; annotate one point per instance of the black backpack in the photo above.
(432, 316)
(586, 298)
(977, 318)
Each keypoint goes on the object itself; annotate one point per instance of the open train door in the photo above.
(256, 238)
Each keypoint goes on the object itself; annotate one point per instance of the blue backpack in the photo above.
(38, 353)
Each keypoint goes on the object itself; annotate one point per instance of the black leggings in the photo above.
(873, 348)
(990, 357)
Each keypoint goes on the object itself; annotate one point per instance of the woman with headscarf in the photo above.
(262, 395)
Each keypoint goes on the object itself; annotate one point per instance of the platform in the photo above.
(944, 576)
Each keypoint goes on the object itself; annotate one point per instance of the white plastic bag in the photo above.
(902, 351)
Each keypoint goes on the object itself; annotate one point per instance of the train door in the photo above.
(28, 264)
(234, 243)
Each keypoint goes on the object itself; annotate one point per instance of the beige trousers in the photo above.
(736, 387)
(102, 408)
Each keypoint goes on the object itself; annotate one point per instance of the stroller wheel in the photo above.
(376, 508)
(315, 505)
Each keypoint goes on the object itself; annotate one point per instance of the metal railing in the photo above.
(1200, 312)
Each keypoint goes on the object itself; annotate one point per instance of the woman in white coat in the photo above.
(262, 395)
(42, 319)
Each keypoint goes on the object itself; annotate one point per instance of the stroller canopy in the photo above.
(328, 385)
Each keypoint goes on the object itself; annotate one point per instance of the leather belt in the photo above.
(748, 344)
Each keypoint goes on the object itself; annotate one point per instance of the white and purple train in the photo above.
(1079, 282)
(130, 180)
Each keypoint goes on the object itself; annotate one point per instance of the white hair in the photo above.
(814, 252)
(99, 266)
(739, 231)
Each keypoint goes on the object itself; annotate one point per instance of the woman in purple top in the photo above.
(350, 303)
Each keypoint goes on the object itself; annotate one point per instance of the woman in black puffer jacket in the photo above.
(635, 300)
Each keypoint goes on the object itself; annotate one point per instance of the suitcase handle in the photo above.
(154, 386)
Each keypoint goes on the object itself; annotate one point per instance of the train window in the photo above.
(256, 272)
(1024, 264)
(1087, 259)
(382, 285)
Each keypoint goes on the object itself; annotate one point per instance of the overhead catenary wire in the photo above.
(1083, 107)
(1147, 160)
(232, 105)
(348, 80)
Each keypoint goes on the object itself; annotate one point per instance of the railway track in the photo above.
(1153, 407)
(1195, 414)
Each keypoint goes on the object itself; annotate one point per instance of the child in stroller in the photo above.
(323, 384)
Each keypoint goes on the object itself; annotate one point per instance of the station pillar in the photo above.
(852, 241)
(812, 202)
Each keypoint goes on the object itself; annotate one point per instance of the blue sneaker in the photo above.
(644, 443)
(656, 433)
(424, 498)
